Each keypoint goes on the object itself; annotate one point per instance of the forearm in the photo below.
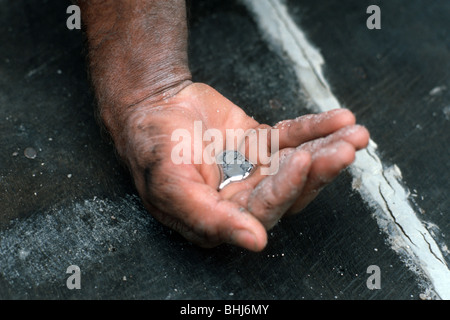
(137, 53)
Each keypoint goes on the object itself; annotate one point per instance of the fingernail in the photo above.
(244, 238)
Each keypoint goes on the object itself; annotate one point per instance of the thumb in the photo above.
(217, 220)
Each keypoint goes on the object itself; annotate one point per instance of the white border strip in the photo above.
(380, 188)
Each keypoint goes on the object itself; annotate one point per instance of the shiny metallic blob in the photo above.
(233, 167)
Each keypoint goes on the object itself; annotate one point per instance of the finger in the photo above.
(254, 144)
(205, 218)
(236, 191)
(275, 194)
(294, 132)
(326, 165)
(356, 135)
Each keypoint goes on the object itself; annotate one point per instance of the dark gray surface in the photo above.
(397, 81)
(94, 220)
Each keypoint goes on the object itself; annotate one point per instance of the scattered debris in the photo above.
(30, 153)
(275, 104)
(437, 90)
(424, 296)
(23, 254)
(446, 112)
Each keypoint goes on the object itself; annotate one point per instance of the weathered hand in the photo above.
(138, 64)
(313, 149)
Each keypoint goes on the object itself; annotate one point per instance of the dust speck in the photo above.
(30, 153)
(437, 90)
(23, 254)
(446, 112)
(424, 296)
(275, 104)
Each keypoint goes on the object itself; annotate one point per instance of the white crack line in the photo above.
(381, 188)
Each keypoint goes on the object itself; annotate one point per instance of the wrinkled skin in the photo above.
(314, 149)
(138, 64)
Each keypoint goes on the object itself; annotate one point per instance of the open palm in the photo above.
(313, 149)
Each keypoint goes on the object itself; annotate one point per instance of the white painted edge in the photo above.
(381, 188)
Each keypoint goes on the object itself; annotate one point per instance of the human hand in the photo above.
(313, 149)
(139, 69)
